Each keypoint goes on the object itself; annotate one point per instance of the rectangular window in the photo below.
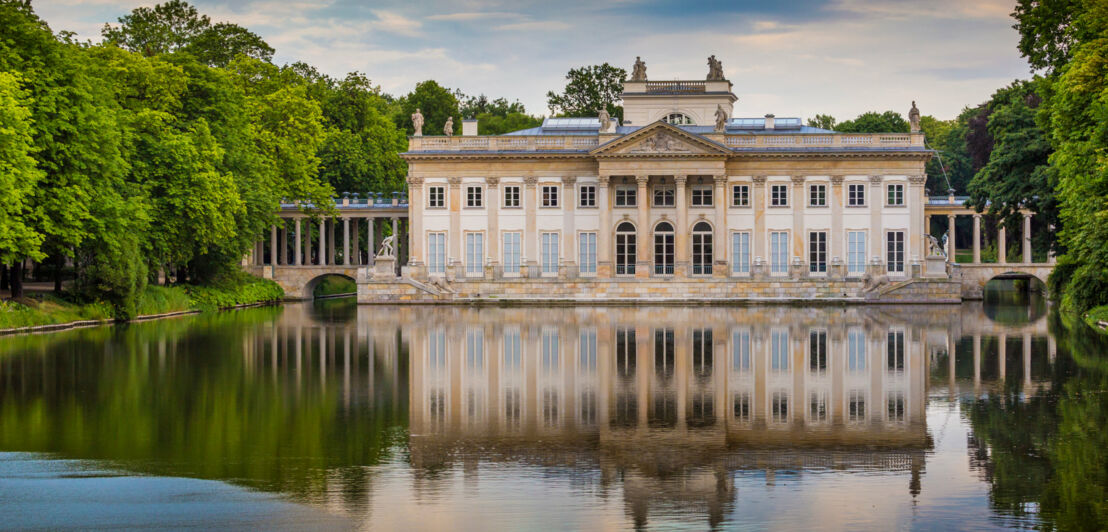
(664, 196)
(856, 195)
(586, 256)
(780, 407)
(551, 351)
(436, 252)
(778, 195)
(857, 405)
(436, 197)
(817, 195)
(894, 249)
(817, 252)
(664, 352)
(895, 351)
(817, 410)
(475, 349)
(896, 195)
(896, 405)
(702, 196)
(550, 253)
(550, 195)
(740, 252)
(474, 197)
(740, 351)
(475, 253)
(511, 252)
(817, 351)
(779, 350)
(740, 196)
(587, 351)
(856, 252)
(513, 352)
(855, 350)
(703, 361)
(742, 406)
(626, 196)
(779, 252)
(511, 196)
(587, 196)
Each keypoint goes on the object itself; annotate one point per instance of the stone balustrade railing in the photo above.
(738, 141)
(503, 144)
(837, 140)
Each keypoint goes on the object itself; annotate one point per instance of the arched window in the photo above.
(678, 119)
(663, 249)
(702, 249)
(625, 249)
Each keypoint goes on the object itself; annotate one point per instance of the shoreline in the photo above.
(84, 324)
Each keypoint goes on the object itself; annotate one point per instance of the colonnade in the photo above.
(335, 241)
(1001, 237)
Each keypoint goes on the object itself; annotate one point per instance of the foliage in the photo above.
(48, 310)
(874, 122)
(1097, 315)
(435, 102)
(162, 300)
(334, 285)
(497, 116)
(588, 89)
(822, 121)
(177, 26)
(18, 174)
(233, 290)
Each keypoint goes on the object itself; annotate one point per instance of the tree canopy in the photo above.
(588, 89)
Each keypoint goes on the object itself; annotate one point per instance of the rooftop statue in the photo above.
(913, 117)
(605, 119)
(638, 73)
(417, 122)
(448, 129)
(715, 69)
(721, 119)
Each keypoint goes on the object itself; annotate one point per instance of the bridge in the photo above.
(304, 248)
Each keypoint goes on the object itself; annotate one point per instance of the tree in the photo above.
(496, 117)
(435, 102)
(18, 176)
(177, 26)
(1047, 30)
(589, 89)
(221, 43)
(873, 122)
(822, 121)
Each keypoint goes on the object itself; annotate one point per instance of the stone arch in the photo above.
(310, 286)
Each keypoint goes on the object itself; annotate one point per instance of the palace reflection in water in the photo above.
(656, 414)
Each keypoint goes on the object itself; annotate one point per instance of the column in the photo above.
(273, 245)
(759, 199)
(415, 224)
(976, 364)
(569, 223)
(322, 241)
(1002, 355)
(1001, 244)
(838, 240)
(530, 247)
(282, 242)
(299, 245)
(977, 239)
(877, 237)
(719, 244)
(332, 245)
(952, 247)
(492, 244)
(604, 232)
(681, 238)
(1026, 247)
(1027, 360)
(915, 211)
(455, 233)
(346, 241)
(642, 269)
(356, 253)
(798, 203)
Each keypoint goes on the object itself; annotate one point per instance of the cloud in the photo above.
(551, 25)
(473, 15)
(396, 23)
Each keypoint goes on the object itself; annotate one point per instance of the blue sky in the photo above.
(788, 57)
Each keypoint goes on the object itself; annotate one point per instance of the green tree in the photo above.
(18, 175)
(588, 89)
(874, 122)
(435, 102)
(178, 26)
(822, 121)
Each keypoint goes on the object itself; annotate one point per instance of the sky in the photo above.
(787, 57)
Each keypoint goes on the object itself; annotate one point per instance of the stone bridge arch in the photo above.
(975, 276)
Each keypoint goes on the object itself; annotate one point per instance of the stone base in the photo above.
(934, 266)
(384, 268)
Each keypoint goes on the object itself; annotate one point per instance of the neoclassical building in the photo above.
(679, 191)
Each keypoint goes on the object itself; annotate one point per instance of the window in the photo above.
(551, 351)
(664, 353)
(856, 252)
(702, 353)
(779, 350)
(817, 351)
(856, 195)
(894, 248)
(550, 195)
(475, 349)
(702, 196)
(550, 253)
(740, 196)
(664, 196)
(511, 196)
(626, 196)
(702, 249)
(586, 253)
(475, 253)
(779, 252)
(587, 351)
(586, 196)
(817, 252)
(663, 249)
(678, 119)
(625, 353)
(896, 405)
(855, 350)
(778, 195)
(896, 195)
(780, 407)
(742, 406)
(817, 195)
(513, 358)
(511, 252)
(436, 197)
(817, 411)
(857, 405)
(740, 252)
(895, 351)
(436, 252)
(625, 249)
(474, 197)
(740, 351)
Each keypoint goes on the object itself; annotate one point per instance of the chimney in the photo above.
(469, 127)
(769, 121)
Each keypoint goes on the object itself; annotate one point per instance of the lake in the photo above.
(329, 415)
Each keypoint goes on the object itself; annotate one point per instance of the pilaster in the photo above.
(604, 231)
(759, 201)
(719, 244)
(642, 248)
(681, 238)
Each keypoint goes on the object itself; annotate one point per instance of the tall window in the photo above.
(817, 195)
(817, 410)
(740, 196)
(778, 195)
(779, 407)
(551, 351)
(511, 252)
(663, 249)
(664, 196)
(587, 351)
(513, 353)
(625, 249)
(475, 253)
(857, 405)
(817, 351)
(436, 197)
(779, 252)
(779, 350)
(550, 253)
(703, 361)
(740, 351)
(702, 196)
(625, 352)
(817, 252)
(475, 349)
(702, 249)
(511, 196)
(678, 119)
(894, 249)
(741, 406)
(895, 351)
(586, 254)
(664, 353)
(436, 252)
(586, 196)
(474, 197)
(896, 194)
(856, 194)
(896, 405)
(856, 252)
(550, 195)
(855, 350)
(625, 196)
(740, 252)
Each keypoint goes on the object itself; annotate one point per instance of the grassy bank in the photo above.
(1097, 315)
(48, 309)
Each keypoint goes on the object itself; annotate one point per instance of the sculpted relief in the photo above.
(662, 142)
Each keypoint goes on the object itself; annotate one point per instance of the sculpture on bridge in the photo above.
(448, 129)
(934, 247)
(387, 250)
(721, 119)
(715, 69)
(417, 122)
(638, 72)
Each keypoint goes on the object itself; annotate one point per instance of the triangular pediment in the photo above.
(660, 140)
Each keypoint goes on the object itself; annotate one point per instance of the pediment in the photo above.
(660, 140)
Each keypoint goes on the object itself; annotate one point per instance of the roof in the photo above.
(699, 130)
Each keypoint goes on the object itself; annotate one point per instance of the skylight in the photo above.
(571, 124)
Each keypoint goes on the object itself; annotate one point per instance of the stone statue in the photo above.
(417, 122)
(387, 251)
(934, 248)
(448, 129)
(715, 69)
(871, 282)
(638, 73)
(721, 119)
(605, 119)
(913, 118)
